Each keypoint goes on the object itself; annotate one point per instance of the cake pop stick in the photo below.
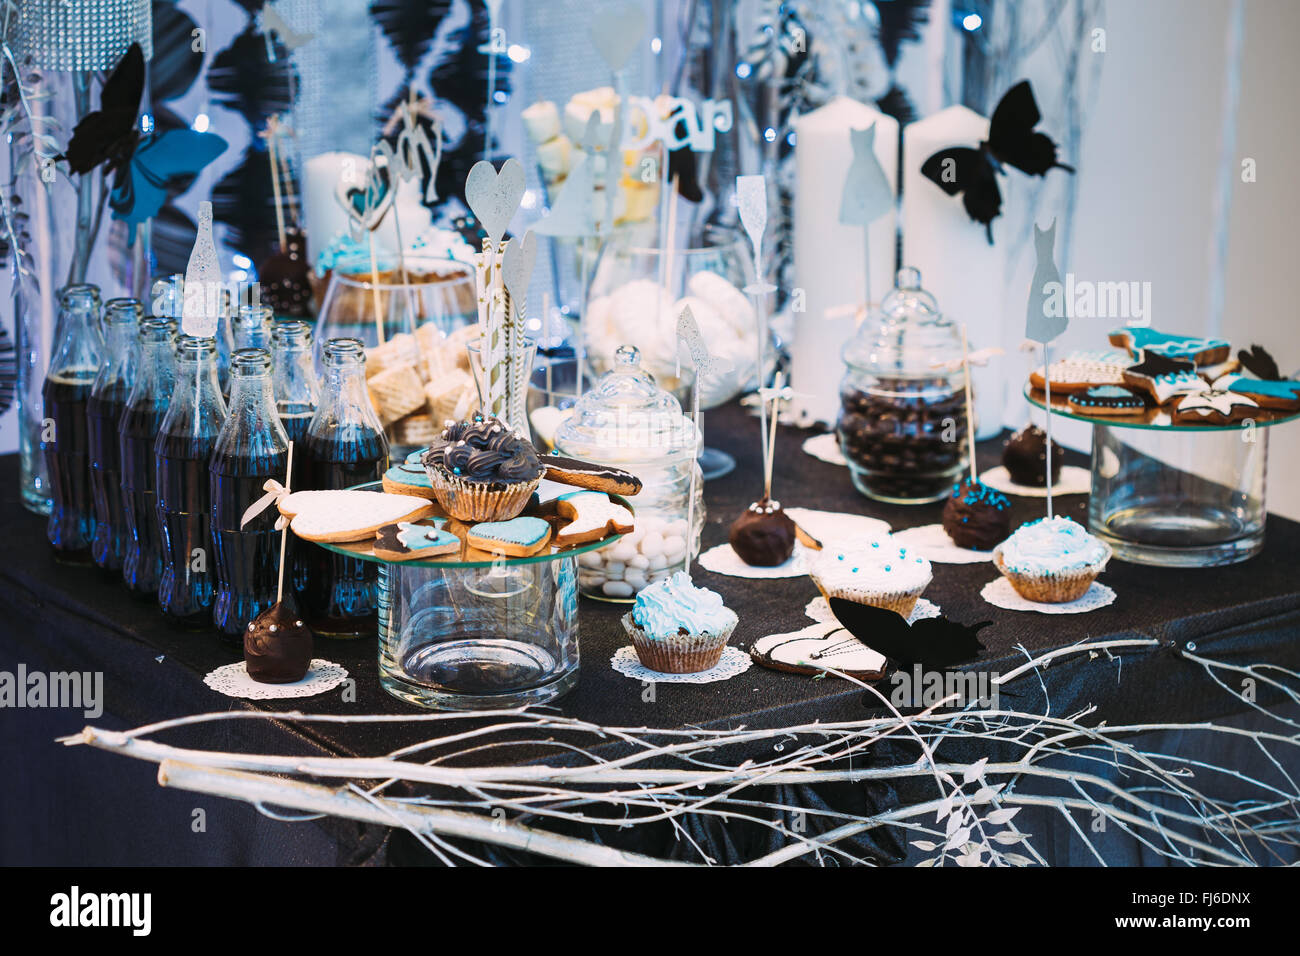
(284, 530)
(751, 197)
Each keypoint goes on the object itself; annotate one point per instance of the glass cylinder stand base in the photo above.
(478, 638)
(1179, 497)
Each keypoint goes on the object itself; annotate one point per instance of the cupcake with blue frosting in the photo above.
(881, 574)
(1051, 560)
(678, 628)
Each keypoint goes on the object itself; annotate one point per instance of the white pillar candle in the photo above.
(958, 266)
(323, 216)
(829, 259)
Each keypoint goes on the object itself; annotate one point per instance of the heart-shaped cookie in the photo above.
(494, 197)
(337, 516)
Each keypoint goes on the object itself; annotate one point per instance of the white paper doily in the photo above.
(934, 544)
(233, 681)
(828, 527)
(1073, 481)
(734, 661)
(1000, 593)
(819, 609)
(826, 448)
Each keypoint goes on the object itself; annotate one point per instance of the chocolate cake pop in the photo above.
(277, 646)
(976, 516)
(763, 535)
(1025, 457)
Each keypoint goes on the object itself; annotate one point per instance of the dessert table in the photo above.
(75, 805)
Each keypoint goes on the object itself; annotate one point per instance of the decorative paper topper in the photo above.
(146, 170)
(930, 642)
(688, 333)
(573, 214)
(274, 23)
(494, 197)
(517, 266)
(367, 204)
(751, 198)
(867, 194)
(616, 31)
(1012, 140)
(681, 126)
(1041, 324)
(201, 311)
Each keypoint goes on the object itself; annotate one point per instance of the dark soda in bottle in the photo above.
(250, 449)
(103, 417)
(297, 393)
(138, 431)
(345, 446)
(185, 441)
(65, 442)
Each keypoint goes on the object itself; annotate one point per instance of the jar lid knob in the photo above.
(627, 356)
(908, 277)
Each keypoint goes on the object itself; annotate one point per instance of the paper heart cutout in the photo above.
(367, 204)
(616, 30)
(517, 265)
(340, 516)
(493, 197)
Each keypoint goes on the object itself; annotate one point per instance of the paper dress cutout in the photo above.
(867, 194)
(1040, 324)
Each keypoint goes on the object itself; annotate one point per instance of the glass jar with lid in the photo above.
(627, 421)
(902, 423)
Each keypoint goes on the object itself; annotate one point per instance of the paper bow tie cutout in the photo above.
(274, 493)
(981, 358)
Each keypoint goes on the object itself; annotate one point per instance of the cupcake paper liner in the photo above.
(681, 653)
(902, 602)
(1051, 588)
(478, 501)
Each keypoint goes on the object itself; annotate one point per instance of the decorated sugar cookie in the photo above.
(338, 516)
(1187, 347)
(1214, 407)
(1283, 394)
(408, 479)
(407, 541)
(592, 515)
(1082, 370)
(1107, 400)
(516, 538)
(586, 474)
(814, 648)
(1163, 378)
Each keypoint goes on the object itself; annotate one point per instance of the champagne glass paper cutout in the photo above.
(751, 199)
(867, 195)
(1042, 325)
(201, 310)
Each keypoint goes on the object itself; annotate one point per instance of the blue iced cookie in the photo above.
(409, 541)
(409, 479)
(516, 538)
(1202, 351)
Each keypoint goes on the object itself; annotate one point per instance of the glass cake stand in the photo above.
(474, 631)
(1176, 495)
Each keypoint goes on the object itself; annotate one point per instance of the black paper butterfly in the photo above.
(1259, 363)
(146, 169)
(1012, 140)
(930, 642)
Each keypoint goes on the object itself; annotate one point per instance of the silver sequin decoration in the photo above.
(83, 35)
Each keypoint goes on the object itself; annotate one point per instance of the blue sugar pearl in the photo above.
(918, 560)
(875, 544)
(841, 557)
(855, 570)
(886, 567)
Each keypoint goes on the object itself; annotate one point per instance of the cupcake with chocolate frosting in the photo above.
(976, 516)
(481, 470)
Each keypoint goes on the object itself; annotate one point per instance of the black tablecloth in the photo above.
(73, 805)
